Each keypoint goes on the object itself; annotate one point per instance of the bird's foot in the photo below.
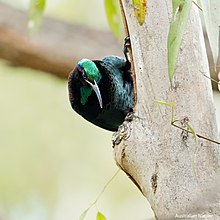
(121, 134)
(127, 44)
(124, 131)
(130, 116)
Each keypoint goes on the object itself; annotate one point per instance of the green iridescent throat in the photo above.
(92, 74)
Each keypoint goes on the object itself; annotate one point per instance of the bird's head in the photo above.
(89, 77)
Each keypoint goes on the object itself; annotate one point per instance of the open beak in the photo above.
(96, 90)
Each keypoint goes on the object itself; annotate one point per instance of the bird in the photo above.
(102, 91)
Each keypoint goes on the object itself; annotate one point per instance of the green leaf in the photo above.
(83, 215)
(181, 10)
(162, 103)
(211, 13)
(114, 17)
(35, 12)
(192, 131)
(100, 216)
(140, 9)
(173, 119)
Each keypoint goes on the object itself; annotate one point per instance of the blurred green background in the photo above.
(53, 163)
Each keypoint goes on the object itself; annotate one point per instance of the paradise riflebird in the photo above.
(101, 91)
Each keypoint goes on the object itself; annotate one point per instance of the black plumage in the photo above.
(115, 87)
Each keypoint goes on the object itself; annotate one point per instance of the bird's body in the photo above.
(111, 100)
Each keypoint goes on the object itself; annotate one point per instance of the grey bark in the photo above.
(178, 176)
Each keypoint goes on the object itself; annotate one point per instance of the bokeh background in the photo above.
(53, 163)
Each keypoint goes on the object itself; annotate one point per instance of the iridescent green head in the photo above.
(92, 77)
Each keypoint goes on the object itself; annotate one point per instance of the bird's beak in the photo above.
(96, 90)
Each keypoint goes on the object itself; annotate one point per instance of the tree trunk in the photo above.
(178, 176)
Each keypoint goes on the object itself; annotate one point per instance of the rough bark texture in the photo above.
(55, 48)
(178, 176)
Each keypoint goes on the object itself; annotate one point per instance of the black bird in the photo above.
(101, 91)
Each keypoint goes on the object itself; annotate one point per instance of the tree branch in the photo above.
(55, 48)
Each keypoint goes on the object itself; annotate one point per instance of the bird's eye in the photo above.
(84, 74)
(82, 71)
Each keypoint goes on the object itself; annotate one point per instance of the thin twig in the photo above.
(199, 7)
(209, 77)
(198, 135)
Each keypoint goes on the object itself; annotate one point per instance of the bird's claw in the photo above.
(124, 130)
(127, 43)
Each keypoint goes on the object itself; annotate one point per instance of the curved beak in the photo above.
(96, 90)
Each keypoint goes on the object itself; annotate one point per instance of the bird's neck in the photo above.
(86, 91)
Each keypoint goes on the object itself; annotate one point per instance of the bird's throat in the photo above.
(85, 92)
